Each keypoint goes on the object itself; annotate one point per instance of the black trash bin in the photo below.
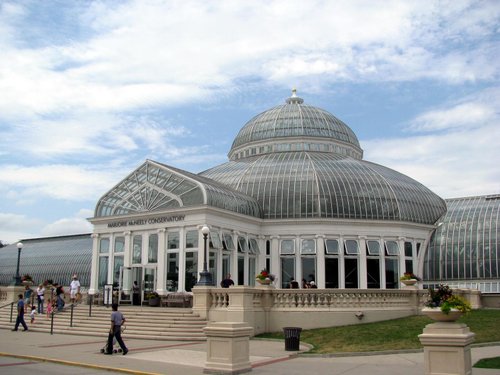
(292, 338)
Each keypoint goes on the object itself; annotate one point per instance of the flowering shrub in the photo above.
(443, 298)
(263, 275)
(26, 277)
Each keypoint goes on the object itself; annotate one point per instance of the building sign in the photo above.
(153, 220)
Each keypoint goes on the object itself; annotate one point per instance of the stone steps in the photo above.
(152, 323)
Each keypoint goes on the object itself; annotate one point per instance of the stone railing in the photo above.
(267, 309)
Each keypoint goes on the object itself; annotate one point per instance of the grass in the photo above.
(391, 334)
(488, 363)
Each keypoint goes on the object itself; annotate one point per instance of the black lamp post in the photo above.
(205, 276)
(17, 278)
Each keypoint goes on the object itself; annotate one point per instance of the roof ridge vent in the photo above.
(294, 99)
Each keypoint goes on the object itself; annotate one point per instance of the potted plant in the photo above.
(442, 305)
(265, 278)
(409, 278)
(153, 299)
(27, 279)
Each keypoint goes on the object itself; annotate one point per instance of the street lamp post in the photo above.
(205, 276)
(17, 278)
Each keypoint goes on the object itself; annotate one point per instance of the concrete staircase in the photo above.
(152, 323)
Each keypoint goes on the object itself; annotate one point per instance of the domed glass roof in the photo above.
(300, 161)
(289, 125)
(327, 185)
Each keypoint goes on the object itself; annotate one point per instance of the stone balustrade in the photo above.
(267, 309)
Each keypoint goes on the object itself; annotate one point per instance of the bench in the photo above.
(177, 300)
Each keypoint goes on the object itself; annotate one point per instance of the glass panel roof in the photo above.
(155, 186)
(310, 184)
(55, 258)
(466, 245)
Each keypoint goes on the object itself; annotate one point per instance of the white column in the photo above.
(234, 258)
(127, 270)
(363, 277)
(201, 252)
(320, 261)
(341, 263)
(261, 258)
(382, 264)
(275, 258)
(182, 261)
(298, 260)
(160, 265)
(401, 258)
(94, 272)
(127, 251)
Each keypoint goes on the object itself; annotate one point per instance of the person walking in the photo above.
(117, 320)
(40, 296)
(74, 288)
(20, 314)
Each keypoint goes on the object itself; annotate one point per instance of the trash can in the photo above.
(292, 338)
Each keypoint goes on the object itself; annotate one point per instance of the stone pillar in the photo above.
(447, 348)
(202, 301)
(228, 348)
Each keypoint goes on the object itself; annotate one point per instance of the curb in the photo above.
(76, 364)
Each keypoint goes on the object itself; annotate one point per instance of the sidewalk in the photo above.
(168, 357)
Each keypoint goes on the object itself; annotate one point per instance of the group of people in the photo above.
(56, 301)
(305, 284)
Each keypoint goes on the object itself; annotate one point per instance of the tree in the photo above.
(3, 244)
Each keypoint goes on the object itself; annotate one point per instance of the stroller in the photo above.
(116, 347)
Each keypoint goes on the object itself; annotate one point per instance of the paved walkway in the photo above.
(186, 358)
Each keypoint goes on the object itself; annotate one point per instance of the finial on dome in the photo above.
(294, 99)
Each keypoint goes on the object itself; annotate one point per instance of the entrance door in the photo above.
(146, 281)
(137, 291)
(149, 281)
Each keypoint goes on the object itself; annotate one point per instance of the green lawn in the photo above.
(392, 334)
(492, 363)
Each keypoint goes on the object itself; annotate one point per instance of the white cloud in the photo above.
(66, 226)
(13, 227)
(459, 162)
(477, 110)
(144, 53)
(66, 182)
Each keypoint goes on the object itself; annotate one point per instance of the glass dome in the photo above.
(322, 185)
(295, 126)
(300, 161)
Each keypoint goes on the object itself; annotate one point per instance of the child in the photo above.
(32, 314)
(50, 307)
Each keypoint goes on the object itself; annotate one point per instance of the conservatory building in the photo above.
(295, 198)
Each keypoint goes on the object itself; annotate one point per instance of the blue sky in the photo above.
(90, 89)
